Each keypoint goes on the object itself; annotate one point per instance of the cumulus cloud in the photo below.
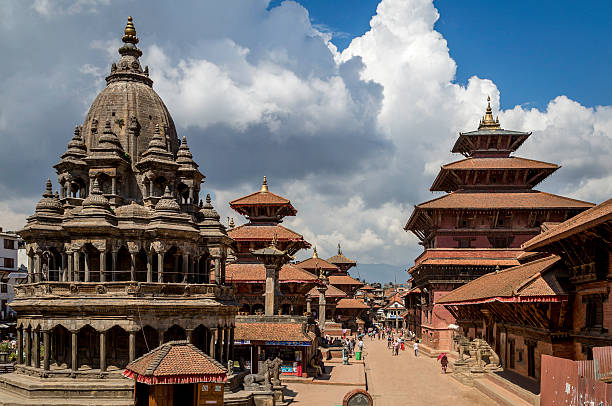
(354, 139)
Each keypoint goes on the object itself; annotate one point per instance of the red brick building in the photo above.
(478, 226)
(555, 303)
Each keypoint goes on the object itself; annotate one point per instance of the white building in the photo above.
(12, 269)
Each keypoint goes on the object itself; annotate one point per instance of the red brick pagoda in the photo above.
(265, 211)
(478, 226)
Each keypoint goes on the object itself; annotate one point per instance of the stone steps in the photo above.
(499, 394)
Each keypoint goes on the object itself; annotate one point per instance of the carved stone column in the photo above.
(185, 267)
(231, 350)
(36, 349)
(308, 304)
(149, 266)
(322, 302)
(103, 266)
(47, 349)
(227, 344)
(220, 344)
(20, 345)
(74, 351)
(28, 346)
(30, 268)
(160, 335)
(132, 346)
(212, 346)
(189, 335)
(70, 265)
(218, 271)
(38, 272)
(64, 275)
(114, 265)
(160, 267)
(270, 293)
(132, 266)
(103, 351)
(77, 265)
(87, 263)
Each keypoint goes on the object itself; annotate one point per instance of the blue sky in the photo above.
(533, 50)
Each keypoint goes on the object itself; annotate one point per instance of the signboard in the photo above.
(290, 343)
(242, 342)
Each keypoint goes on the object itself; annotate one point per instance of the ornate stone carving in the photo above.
(475, 356)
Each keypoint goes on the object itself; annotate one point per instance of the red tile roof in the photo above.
(270, 332)
(255, 232)
(502, 200)
(366, 287)
(348, 303)
(256, 273)
(467, 256)
(331, 291)
(175, 362)
(341, 259)
(263, 199)
(499, 163)
(343, 280)
(590, 218)
(527, 282)
(312, 264)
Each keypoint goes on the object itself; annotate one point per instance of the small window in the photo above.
(594, 314)
(9, 262)
(9, 244)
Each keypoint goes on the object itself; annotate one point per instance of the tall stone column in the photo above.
(114, 185)
(30, 268)
(28, 346)
(322, 304)
(132, 266)
(149, 266)
(227, 344)
(87, 266)
(64, 276)
(231, 350)
(160, 267)
(218, 271)
(77, 265)
(70, 263)
(74, 351)
(47, 349)
(221, 344)
(102, 266)
(103, 351)
(211, 346)
(185, 268)
(160, 335)
(308, 304)
(114, 265)
(20, 345)
(38, 272)
(270, 293)
(36, 349)
(132, 346)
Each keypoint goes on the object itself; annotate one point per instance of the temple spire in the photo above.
(315, 254)
(339, 249)
(264, 185)
(487, 121)
(129, 36)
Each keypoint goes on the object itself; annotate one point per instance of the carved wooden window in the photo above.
(594, 315)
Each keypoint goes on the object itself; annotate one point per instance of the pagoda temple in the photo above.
(123, 258)
(490, 208)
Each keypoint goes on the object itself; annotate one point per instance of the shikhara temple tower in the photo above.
(123, 258)
(489, 210)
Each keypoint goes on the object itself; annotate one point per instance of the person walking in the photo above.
(444, 363)
(416, 348)
(389, 339)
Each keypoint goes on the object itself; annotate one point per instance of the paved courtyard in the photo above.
(394, 381)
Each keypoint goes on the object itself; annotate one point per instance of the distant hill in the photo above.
(382, 273)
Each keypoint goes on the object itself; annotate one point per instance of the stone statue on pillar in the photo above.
(273, 259)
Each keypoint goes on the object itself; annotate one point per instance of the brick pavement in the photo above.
(394, 381)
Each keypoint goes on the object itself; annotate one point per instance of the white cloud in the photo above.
(49, 8)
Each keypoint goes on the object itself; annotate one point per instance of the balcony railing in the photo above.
(130, 288)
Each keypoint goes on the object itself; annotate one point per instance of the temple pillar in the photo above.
(132, 346)
(28, 347)
(220, 344)
(103, 351)
(149, 266)
(322, 304)
(185, 267)
(70, 262)
(64, 276)
(114, 265)
(227, 344)
(189, 335)
(86, 262)
(36, 349)
(38, 268)
(47, 349)
(308, 304)
(270, 292)
(231, 349)
(114, 185)
(174, 277)
(30, 268)
(20, 345)
(74, 350)
(77, 265)
(160, 267)
(132, 265)
(218, 271)
(103, 266)
(211, 347)
(160, 335)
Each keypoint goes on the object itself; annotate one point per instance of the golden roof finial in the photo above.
(487, 121)
(231, 223)
(130, 33)
(275, 240)
(339, 249)
(315, 254)
(264, 185)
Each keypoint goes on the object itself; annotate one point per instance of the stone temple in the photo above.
(122, 258)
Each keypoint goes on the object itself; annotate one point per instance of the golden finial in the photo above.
(487, 121)
(130, 33)
(339, 249)
(264, 185)
(314, 254)
(231, 223)
(275, 240)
